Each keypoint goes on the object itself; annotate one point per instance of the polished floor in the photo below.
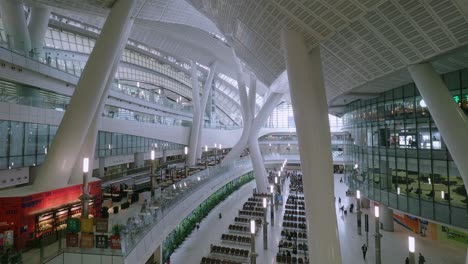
(394, 244)
(197, 245)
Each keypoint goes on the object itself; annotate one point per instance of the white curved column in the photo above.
(37, 27)
(57, 167)
(15, 25)
(238, 148)
(258, 165)
(192, 151)
(311, 115)
(272, 101)
(252, 95)
(448, 117)
(89, 145)
(204, 102)
(251, 129)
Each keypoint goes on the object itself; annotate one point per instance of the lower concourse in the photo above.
(131, 131)
(394, 244)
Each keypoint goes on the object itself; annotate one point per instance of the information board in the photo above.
(87, 241)
(73, 225)
(115, 242)
(72, 240)
(102, 241)
(102, 225)
(87, 225)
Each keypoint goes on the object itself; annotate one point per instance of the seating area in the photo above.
(294, 218)
(250, 213)
(294, 212)
(289, 259)
(235, 238)
(291, 245)
(262, 195)
(292, 248)
(294, 225)
(239, 235)
(238, 228)
(229, 251)
(252, 208)
(206, 260)
(293, 235)
(243, 220)
(298, 203)
(253, 204)
(294, 207)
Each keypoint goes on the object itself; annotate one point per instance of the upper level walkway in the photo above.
(149, 226)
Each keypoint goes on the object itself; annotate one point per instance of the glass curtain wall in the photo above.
(25, 144)
(400, 157)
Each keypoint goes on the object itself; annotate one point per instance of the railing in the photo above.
(33, 101)
(71, 67)
(222, 127)
(159, 100)
(129, 172)
(155, 211)
(47, 60)
(138, 226)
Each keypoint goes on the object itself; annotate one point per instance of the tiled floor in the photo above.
(197, 245)
(394, 244)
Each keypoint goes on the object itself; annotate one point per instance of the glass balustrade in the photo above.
(158, 208)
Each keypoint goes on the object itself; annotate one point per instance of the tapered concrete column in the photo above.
(311, 116)
(89, 144)
(37, 27)
(164, 156)
(193, 140)
(56, 169)
(139, 159)
(204, 102)
(386, 218)
(15, 25)
(448, 117)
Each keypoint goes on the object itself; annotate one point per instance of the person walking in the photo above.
(364, 251)
(339, 200)
(407, 260)
(421, 259)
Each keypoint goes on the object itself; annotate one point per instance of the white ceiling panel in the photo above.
(366, 44)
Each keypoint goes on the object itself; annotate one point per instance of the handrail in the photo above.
(153, 213)
(138, 226)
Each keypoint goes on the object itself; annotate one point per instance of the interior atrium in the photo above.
(233, 131)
